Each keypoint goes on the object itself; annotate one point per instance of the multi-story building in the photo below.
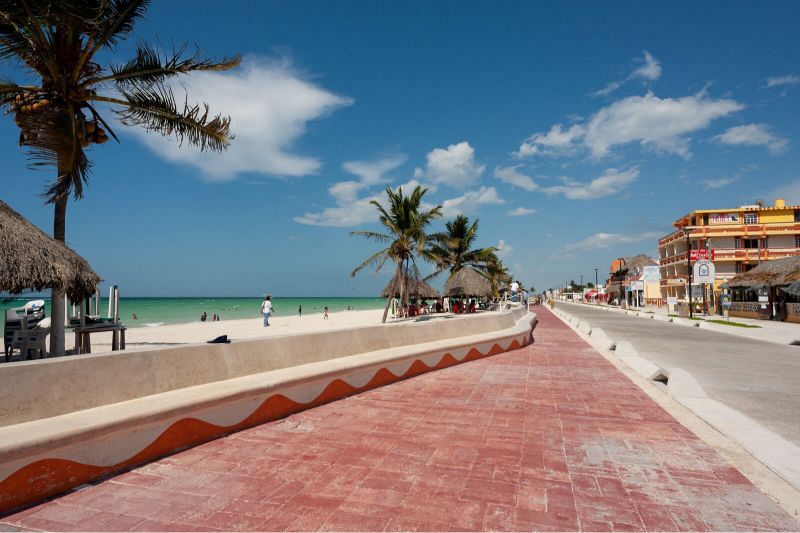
(735, 240)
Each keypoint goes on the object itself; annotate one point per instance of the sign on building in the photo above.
(724, 218)
(703, 271)
(651, 274)
(702, 253)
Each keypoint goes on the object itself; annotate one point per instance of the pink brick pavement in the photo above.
(548, 437)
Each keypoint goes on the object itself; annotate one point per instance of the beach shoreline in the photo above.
(163, 336)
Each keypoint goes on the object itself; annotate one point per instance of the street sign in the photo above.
(703, 271)
(702, 253)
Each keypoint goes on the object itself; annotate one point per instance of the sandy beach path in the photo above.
(194, 332)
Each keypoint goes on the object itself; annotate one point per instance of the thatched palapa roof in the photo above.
(468, 282)
(31, 259)
(773, 273)
(413, 287)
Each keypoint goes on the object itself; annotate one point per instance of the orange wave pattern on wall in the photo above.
(48, 477)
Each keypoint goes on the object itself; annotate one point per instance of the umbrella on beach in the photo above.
(468, 282)
(31, 259)
(413, 287)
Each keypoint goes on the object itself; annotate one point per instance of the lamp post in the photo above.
(689, 271)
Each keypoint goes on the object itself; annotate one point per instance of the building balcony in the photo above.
(752, 254)
(672, 259)
(673, 281)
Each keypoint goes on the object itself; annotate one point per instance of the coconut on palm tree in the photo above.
(454, 249)
(57, 45)
(405, 237)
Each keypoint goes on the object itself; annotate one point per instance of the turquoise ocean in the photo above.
(158, 311)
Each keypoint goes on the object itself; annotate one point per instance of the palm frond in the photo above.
(374, 259)
(149, 66)
(155, 109)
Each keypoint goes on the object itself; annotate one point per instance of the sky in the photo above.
(576, 132)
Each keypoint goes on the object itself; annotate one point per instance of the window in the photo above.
(748, 243)
(705, 219)
(797, 215)
(797, 241)
(742, 267)
(765, 243)
(751, 218)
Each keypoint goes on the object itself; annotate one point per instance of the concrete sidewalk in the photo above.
(766, 330)
(548, 437)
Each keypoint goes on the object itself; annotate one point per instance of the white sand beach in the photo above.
(194, 332)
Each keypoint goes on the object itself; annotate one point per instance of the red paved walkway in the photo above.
(550, 437)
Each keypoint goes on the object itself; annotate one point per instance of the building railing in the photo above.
(752, 254)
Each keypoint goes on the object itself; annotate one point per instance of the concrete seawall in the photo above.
(68, 421)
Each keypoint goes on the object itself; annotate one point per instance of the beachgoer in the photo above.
(300, 310)
(134, 317)
(266, 309)
(325, 315)
(514, 289)
(203, 317)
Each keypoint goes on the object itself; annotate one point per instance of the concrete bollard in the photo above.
(585, 327)
(599, 333)
(625, 349)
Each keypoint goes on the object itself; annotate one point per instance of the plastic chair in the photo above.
(26, 339)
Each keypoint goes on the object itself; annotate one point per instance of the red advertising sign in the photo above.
(697, 255)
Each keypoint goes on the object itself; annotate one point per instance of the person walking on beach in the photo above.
(266, 309)
(203, 317)
(325, 315)
(300, 310)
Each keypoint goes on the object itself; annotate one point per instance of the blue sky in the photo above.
(576, 132)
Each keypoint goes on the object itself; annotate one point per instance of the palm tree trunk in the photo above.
(391, 295)
(57, 334)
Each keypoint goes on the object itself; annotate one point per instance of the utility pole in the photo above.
(689, 271)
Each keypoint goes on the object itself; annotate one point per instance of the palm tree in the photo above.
(56, 44)
(405, 237)
(497, 273)
(453, 249)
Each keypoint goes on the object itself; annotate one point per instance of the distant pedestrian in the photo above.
(325, 315)
(300, 310)
(266, 309)
(203, 317)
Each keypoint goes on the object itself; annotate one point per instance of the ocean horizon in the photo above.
(163, 310)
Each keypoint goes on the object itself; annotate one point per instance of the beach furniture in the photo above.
(83, 336)
(29, 339)
(18, 318)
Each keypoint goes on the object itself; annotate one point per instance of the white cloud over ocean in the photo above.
(270, 105)
(753, 135)
(610, 182)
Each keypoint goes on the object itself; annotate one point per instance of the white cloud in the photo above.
(351, 209)
(603, 240)
(504, 249)
(513, 177)
(454, 166)
(610, 182)
(557, 141)
(269, 104)
(753, 135)
(470, 201)
(374, 172)
(790, 80)
(650, 70)
(521, 212)
(717, 183)
(662, 124)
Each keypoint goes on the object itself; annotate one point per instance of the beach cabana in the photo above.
(32, 260)
(468, 282)
(759, 292)
(413, 287)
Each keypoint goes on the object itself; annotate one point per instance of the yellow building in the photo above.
(735, 240)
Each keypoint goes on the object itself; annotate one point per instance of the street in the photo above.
(758, 378)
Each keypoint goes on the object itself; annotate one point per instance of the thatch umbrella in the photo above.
(31, 259)
(413, 287)
(773, 273)
(468, 282)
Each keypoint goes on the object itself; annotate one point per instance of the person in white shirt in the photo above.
(514, 289)
(266, 309)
